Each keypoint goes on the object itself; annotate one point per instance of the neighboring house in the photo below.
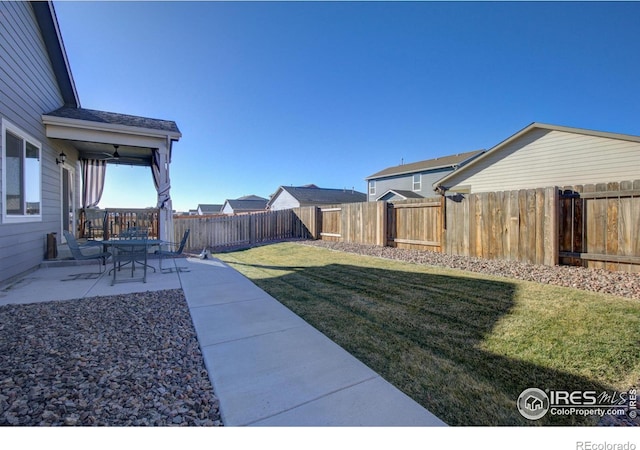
(543, 155)
(246, 204)
(53, 152)
(287, 197)
(209, 209)
(414, 180)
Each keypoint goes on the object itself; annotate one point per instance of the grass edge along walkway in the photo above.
(463, 345)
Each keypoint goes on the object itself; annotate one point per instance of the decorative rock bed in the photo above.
(122, 360)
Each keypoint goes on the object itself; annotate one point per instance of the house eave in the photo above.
(54, 122)
(45, 15)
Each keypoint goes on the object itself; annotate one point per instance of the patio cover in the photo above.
(140, 140)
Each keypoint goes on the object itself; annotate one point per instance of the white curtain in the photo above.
(93, 175)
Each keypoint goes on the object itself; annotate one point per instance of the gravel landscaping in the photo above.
(122, 360)
(616, 283)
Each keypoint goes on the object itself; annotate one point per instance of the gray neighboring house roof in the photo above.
(112, 118)
(312, 195)
(406, 195)
(247, 203)
(210, 209)
(453, 161)
(252, 197)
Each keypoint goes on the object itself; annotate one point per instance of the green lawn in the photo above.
(461, 344)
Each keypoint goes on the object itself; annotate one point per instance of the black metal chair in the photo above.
(95, 220)
(173, 253)
(76, 252)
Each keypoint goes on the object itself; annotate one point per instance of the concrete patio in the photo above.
(267, 366)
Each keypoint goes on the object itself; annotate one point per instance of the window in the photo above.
(417, 182)
(21, 186)
(372, 187)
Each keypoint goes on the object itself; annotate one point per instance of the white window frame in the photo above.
(417, 183)
(372, 187)
(13, 218)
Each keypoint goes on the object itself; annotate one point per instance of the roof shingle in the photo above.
(428, 164)
(308, 195)
(111, 118)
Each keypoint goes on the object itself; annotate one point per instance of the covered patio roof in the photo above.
(102, 137)
(94, 133)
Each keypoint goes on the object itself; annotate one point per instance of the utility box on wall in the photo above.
(52, 246)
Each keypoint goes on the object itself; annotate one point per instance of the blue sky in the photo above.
(291, 93)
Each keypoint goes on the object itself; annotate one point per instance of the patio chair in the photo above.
(173, 253)
(95, 220)
(76, 252)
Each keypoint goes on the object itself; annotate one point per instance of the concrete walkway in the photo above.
(268, 367)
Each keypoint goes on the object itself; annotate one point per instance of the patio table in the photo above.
(128, 250)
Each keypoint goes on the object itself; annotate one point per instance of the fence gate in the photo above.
(599, 226)
(571, 228)
(331, 223)
(416, 224)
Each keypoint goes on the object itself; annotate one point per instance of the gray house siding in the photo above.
(28, 88)
(405, 183)
(284, 201)
(227, 209)
(544, 157)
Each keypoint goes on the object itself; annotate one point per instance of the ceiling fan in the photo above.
(115, 157)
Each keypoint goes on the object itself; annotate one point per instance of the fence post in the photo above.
(316, 221)
(551, 217)
(443, 224)
(381, 225)
(252, 228)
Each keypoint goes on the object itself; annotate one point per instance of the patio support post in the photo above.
(161, 163)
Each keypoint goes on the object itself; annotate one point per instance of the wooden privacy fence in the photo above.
(595, 226)
(514, 225)
(405, 224)
(416, 224)
(590, 225)
(110, 222)
(358, 223)
(121, 219)
(600, 225)
(218, 232)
